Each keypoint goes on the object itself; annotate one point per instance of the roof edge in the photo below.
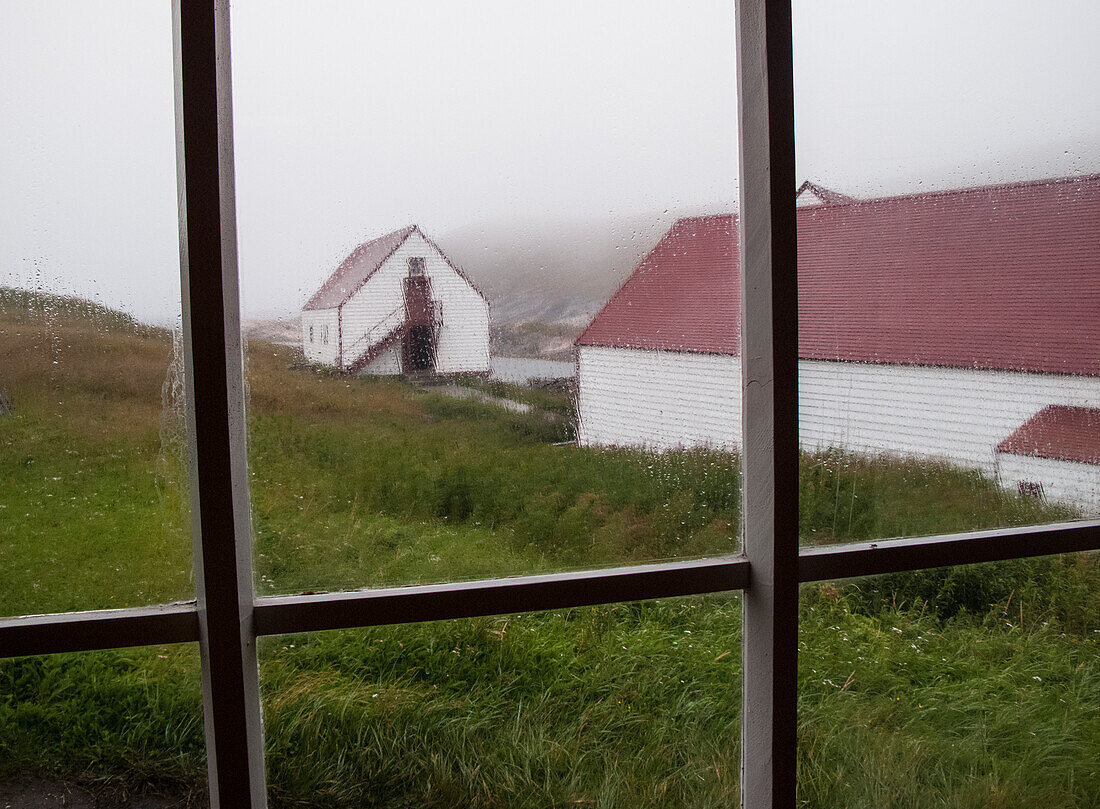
(409, 229)
(947, 192)
(580, 339)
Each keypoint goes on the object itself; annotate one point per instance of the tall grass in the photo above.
(848, 497)
(960, 687)
(617, 706)
(628, 705)
(907, 709)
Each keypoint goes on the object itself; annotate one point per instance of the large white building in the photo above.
(960, 326)
(398, 305)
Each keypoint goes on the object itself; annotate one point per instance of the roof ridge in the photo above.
(1001, 279)
(839, 198)
(967, 189)
(323, 294)
(376, 239)
(825, 195)
(704, 216)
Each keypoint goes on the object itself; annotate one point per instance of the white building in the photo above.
(397, 305)
(941, 325)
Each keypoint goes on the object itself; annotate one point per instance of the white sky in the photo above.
(353, 118)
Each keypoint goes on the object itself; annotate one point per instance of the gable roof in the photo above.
(1060, 432)
(354, 270)
(998, 277)
(683, 296)
(364, 261)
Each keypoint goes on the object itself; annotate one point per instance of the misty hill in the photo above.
(554, 271)
(32, 307)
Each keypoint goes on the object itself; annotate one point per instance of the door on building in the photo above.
(420, 339)
(420, 349)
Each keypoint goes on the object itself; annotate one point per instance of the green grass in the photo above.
(629, 705)
(845, 497)
(915, 690)
(907, 709)
(585, 706)
(128, 717)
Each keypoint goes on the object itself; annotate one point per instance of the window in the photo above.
(416, 265)
(228, 616)
(1031, 488)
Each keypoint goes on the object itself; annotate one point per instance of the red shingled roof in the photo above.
(683, 296)
(353, 272)
(1059, 432)
(1003, 277)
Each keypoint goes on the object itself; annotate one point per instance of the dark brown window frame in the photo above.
(226, 616)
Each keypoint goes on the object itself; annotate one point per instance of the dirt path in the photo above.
(459, 392)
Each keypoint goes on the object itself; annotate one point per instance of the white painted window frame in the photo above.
(226, 616)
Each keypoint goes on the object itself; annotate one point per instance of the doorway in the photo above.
(420, 349)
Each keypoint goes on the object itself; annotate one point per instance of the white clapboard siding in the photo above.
(954, 414)
(664, 400)
(322, 344)
(463, 341)
(373, 312)
(387, 363)
(658, 399)
(1076, 484)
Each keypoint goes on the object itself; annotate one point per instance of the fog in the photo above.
(581, 127)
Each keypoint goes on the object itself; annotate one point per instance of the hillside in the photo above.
(968, 687)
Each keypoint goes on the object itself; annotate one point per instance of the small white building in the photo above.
(939, 325)
(398, 305)
(1055, 454)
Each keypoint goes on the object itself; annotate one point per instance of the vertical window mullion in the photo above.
(769, 368)
(215, 404)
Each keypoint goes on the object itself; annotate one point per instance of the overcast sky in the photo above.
(354, 118)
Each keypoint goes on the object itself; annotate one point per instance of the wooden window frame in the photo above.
(227, 616)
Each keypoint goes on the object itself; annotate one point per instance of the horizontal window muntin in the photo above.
(177, 623)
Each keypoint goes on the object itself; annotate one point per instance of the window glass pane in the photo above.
(949, 374)
(93, 482)
(626, 705)
(102, 729)
(459, 191)
(971, 686)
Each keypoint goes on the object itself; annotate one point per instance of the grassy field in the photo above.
(964, 687)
